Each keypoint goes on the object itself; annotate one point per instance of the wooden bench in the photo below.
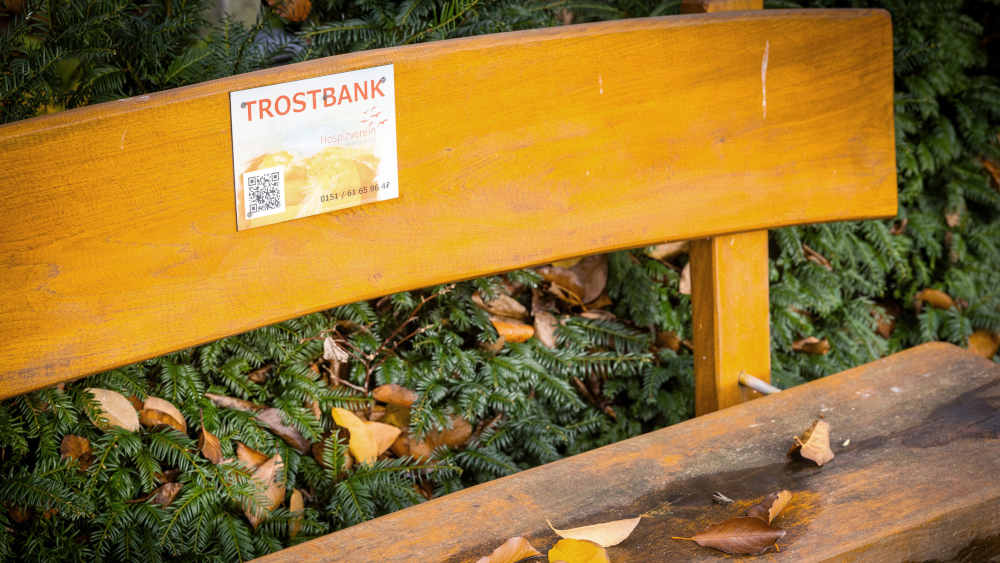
(515, 150)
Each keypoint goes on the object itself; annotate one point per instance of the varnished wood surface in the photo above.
(730, 317)
(514, 149)
(711, 6)
(916, 482)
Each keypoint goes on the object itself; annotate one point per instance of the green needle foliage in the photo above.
(607, 378)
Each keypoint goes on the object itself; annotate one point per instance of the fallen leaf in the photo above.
(295, 506)
(168, 476)
(270, 486)
(272, 419)
(936, 298)
(78, 448)
(502, 305)
(816, 257)
(249, 456)
(115, 408)
(577, 551)
(260, 374)
(512, 330)
(599, 315)
(993, 169)
(401, 446)
(885, 322)
(292, 10)
(362, 443)
(952, 219)
(605, 534)
(739, 536)
(384, 434)
(772, 505)
(210, 446)
(545, 328)
(899, 228)
(165, 493)
(684, 285)
(333, 351)
(814, 443)
(812, 345)
(668, 339)
(455, 436)
(593, 272)
(167, 408)
(394, 394)
(234, 403)
(602, 301)
(567, 263)
(984, 343)
(565, 279)
(512, 550)
(667, 250)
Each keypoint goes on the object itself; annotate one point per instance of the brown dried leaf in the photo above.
(78, 448)
(151, 418)
(772, 505)
(885, 322)
(295, 506)
(812, 345)
(605, 534)
(210, 446)
(814, 443)
(333, 351)
(984, 343)
(270, 486)
(512, 330)
(739, 536)
(952, 219)
(116, 409)
(512, 550)
(668, 339)
(292, 10)
(394, 394)
(271, 418)
(684, 286)
(260, 374)
(502, 305)
(249, 456)
(993, 169)
(593, 273)
(816, 257)
(401, 446)
(577, 551)
(168, 408)
(234, 403)
(936, 298)
(667, 250)
(598, 315)
(545, 328)
(565, 279)
(165, 493)
(455, 436)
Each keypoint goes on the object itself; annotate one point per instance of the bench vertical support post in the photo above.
(731, 317)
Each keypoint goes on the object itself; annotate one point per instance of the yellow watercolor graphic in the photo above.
(333, 178)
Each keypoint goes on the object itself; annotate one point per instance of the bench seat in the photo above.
(917, 481)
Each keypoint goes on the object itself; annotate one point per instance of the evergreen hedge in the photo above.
(610, 376)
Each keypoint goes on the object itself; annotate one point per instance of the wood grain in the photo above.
(730, 317)
(917, 481)
(514, 149)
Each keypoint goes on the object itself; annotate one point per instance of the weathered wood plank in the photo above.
(730, 317)
(917, 481)
(514, 149)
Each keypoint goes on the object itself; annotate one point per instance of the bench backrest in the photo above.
(515, 149)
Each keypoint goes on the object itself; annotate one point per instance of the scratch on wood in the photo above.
(763, 79)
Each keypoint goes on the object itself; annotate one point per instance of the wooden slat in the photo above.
(916, 482)
(730, 317)
(712, 6)
(514, 149)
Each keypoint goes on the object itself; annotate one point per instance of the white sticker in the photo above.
(315, 145)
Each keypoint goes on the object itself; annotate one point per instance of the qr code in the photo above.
(264, 192)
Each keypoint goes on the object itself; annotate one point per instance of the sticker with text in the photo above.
(315, 145)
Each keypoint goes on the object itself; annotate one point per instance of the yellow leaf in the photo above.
(514, 549)
(578, 551)
(362, 444)
(606, 534)
(167, 408)
(383, 434)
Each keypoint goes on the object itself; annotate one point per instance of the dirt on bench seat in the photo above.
(914, 478)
